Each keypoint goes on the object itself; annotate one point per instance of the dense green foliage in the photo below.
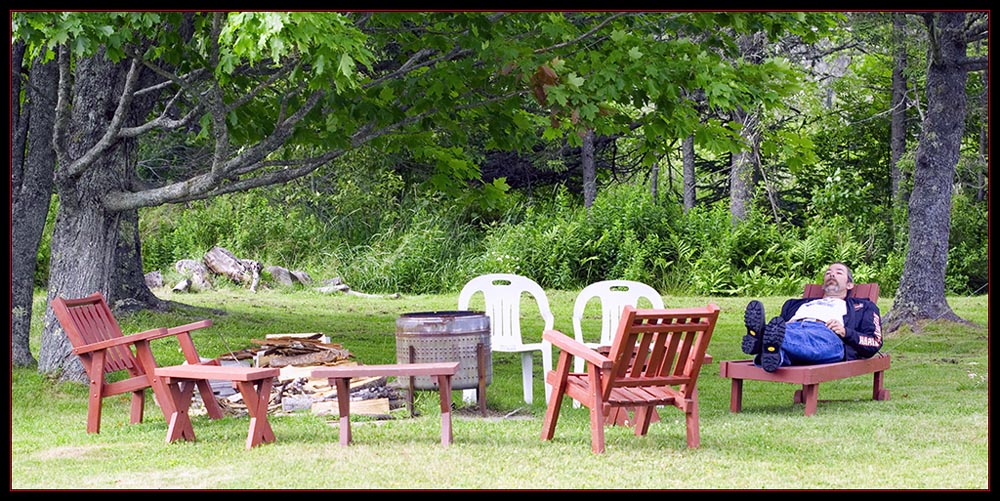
(426, 245)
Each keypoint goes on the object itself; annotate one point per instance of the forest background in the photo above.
(731, 154)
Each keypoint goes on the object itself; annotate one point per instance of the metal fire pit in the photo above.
(447, 336)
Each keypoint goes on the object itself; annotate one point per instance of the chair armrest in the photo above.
(201, 324)
(183, 333)
(124, 340)
(576, 348)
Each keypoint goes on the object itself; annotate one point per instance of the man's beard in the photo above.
(831, 288)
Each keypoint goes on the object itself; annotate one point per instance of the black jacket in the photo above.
(862, 325)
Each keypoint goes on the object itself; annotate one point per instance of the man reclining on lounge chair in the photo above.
(815, 331)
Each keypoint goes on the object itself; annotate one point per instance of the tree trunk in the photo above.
(743, 166)
(32, 165)
(746, 163)
(921, 293)
(93, 249)
(687, 156)
(897, 136)
(589, 170)
(654, 183)
(984, 141)
(129, 281)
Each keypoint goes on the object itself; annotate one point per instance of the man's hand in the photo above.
(837, 327)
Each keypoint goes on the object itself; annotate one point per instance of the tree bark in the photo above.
(743, 167)
(687, 155)
(897, 134)
(984, 140)
(589, 170)
(32, 165)
(746, 163)
(921, 293)
(654, 183)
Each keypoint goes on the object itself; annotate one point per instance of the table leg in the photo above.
(257, 401)
(444, 387)
(344, 404)
(481, 388)
(180, 393)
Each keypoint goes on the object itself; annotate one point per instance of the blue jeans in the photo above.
(809, 343)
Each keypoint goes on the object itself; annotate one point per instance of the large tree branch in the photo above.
(276, 139)
(270, 178)
(79, 165)
(222, 169)
(163, 121)
(976, 64)
(978, 29)
(411, 64)
(230, 171)
(61, 126)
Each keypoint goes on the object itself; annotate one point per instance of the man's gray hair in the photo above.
(850, 276)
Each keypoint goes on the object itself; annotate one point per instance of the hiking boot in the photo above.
(753, 318)
(770, 353)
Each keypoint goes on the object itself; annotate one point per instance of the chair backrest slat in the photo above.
(866, 290)
(660, 347)
(89, 320)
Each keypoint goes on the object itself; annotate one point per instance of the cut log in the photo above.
(306, 359)
(255, 269)
(292, 372)
(183, 286)
(223, 262)
(302, 277)
(308, 336)
(371, 407)
(197, 272)
(280, 275)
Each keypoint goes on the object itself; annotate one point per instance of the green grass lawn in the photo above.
(932, 434)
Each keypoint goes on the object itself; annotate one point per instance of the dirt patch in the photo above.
(473, 412)
(75, 452)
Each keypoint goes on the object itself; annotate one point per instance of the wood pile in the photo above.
(296, 355)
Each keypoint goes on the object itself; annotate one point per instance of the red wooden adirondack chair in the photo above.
(810, 376)
(97, 339)
(655, 359)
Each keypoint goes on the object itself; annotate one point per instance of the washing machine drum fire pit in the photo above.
(446, 336)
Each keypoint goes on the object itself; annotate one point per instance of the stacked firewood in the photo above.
(297, 355)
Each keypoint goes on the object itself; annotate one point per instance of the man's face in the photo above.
(835, 279)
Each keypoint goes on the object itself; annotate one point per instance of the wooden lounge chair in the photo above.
(654, 360)
(613, 296)
(810, 376)
(97, 339)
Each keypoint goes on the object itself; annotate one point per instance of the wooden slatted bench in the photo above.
(809, 376)
(179, 381)
(340, 377)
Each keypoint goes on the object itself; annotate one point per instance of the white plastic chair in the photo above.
(614, 296)
(502, 295)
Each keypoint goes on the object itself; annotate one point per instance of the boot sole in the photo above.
(753, 319)
(770, 353)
